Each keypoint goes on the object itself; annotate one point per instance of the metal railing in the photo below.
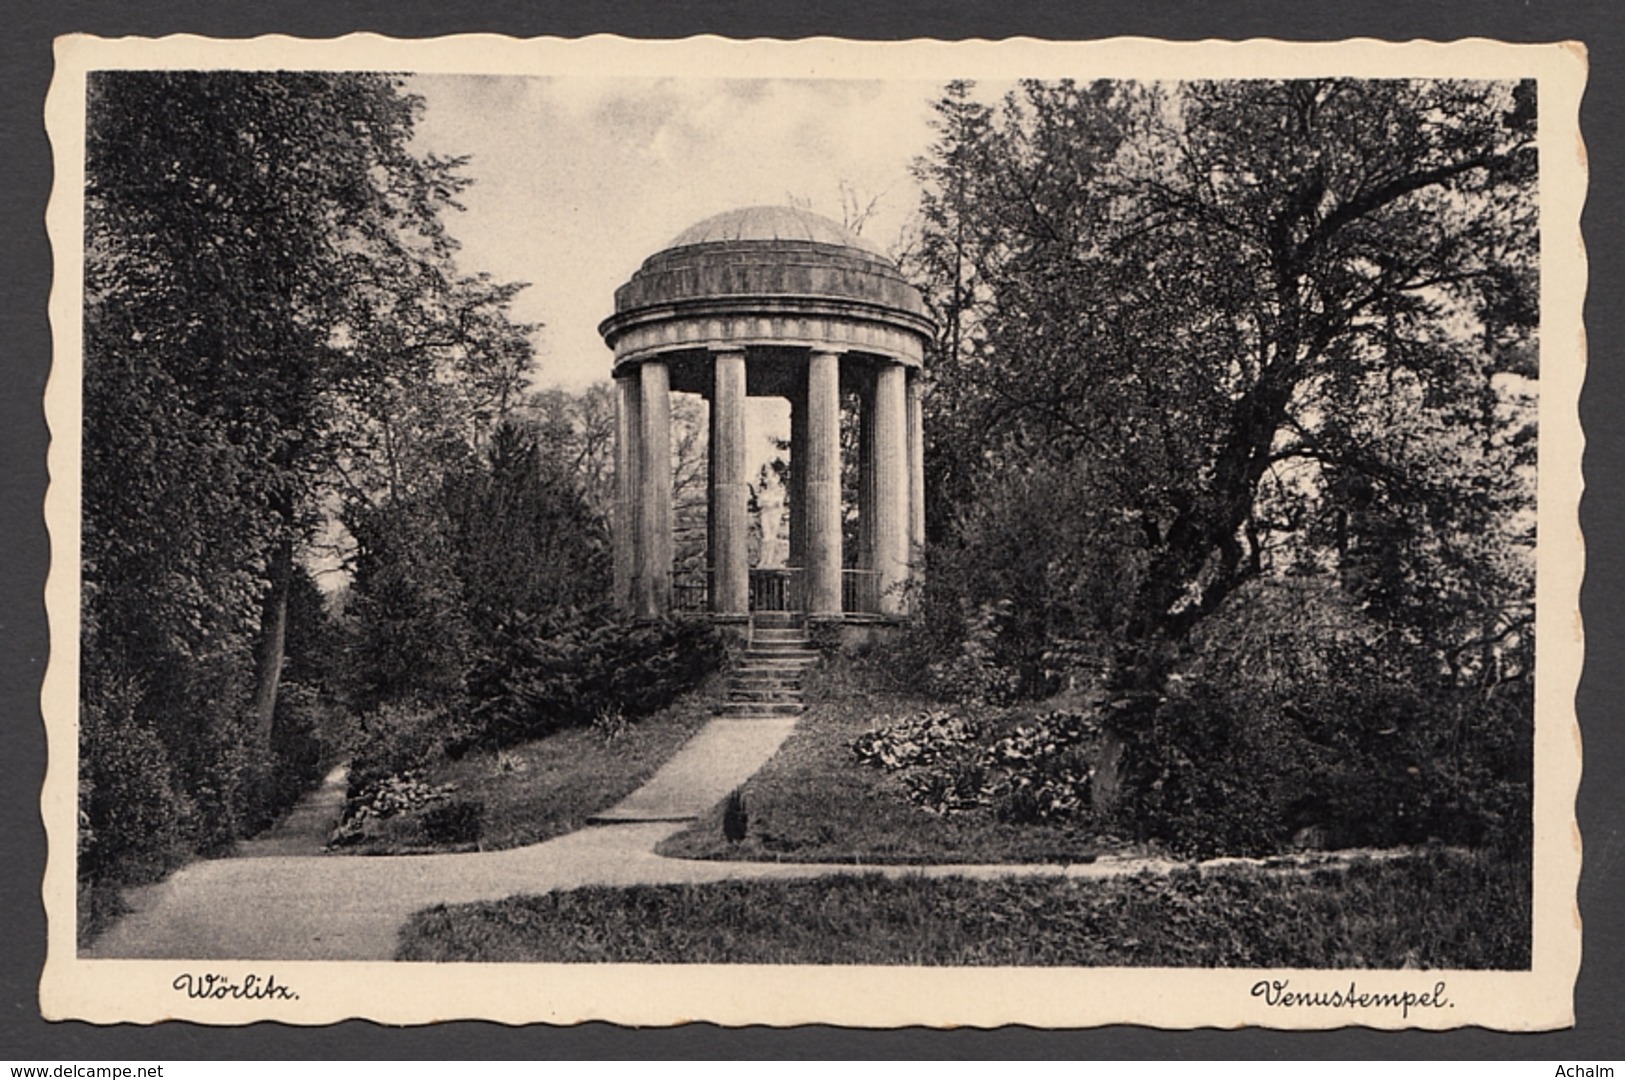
(776, 589)
(860, 592)
(691, 591)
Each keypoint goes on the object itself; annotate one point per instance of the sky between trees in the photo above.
(577, 181)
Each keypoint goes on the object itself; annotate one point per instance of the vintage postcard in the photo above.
(772, 532)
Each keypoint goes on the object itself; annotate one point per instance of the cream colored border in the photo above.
(139, 991)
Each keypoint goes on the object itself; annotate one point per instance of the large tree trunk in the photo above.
(269, 654)
(1107, 786)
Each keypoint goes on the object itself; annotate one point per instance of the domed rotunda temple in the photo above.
(771, 301)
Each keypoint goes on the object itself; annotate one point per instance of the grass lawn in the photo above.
(1437, 909)
(550, 786)
(815, 802)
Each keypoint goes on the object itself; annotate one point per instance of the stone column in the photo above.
(866, 476)
(710, 503)
(916, 471)
(822, 492)
(891, 486)
(796, 496)
(627, 423)
(654, 494)
(730, 560)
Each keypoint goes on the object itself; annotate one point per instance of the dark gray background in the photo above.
(25, 177)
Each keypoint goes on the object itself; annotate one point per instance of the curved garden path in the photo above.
(267, 902)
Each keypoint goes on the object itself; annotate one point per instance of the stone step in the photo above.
(789, 669)
(786, 634)
(766, 684)
(772, 646)
(776, 620)
(767, 679)
(747, 709)
(764, 693)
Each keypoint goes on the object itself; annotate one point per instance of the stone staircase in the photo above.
(768, 680)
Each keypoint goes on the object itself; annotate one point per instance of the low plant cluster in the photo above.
(1038, 769)
(387, 797)
(923, 739)
(590, 671)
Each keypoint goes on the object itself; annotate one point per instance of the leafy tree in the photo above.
(504, 540)
(411, 634)
(577, 432)
(581, 429)
(267, 267)
(529, 542)
(1236, 329)
(690, 473)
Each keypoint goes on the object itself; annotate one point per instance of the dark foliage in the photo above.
(1293, 724)
(265, 267)
(498, 539)
(398, 739)
(543, 675)
(302, 748)
(1277, 733)
(407, 612)
(1221, 356)
(455, 822)
(134, 817)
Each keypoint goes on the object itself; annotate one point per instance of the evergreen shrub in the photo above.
(133, 815)
(1359, 748)
(543, 677)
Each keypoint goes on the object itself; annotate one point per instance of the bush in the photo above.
(408, 620)
(1043, 770)
(229, 772)
(397, 740)
(133, 815)
(972, 673)
(1332, 740)
(544, 677)
(398, 795)
(1039, 770)
(1209, 779)
(455, 821)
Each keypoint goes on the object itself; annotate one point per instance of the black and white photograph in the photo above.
(783, 532)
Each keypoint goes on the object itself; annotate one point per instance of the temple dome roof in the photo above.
(771, 223)
(781, 254)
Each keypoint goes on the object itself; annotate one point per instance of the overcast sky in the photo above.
(577, 181)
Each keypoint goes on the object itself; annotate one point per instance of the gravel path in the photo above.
(280, 899)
